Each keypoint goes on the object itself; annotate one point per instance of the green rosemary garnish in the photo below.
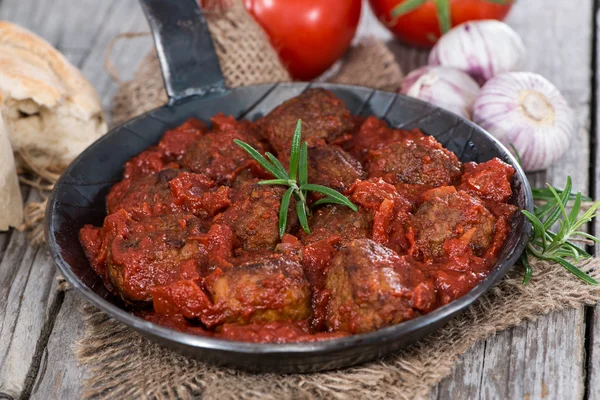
(296, 180)
(558, 246)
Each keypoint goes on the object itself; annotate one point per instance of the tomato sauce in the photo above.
(191, 240)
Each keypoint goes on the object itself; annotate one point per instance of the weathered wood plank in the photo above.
(28, 298)
(532, 360)
(483, 371)
(27, 295)
(593, 378)
(59, 375)
(126, 16)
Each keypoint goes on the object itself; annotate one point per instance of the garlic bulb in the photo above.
(526, 111)
(483, 49)
(445, 87)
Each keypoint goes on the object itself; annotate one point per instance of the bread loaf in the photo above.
(49, 108)
(11, 203)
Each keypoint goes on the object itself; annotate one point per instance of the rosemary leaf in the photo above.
(527, 266)
(303, 165)
(560, 201)
(538, 227)
(327, 200)
(295, 152)
(283, 210)
(329, 192)
(575, 271)
(275, 182)
(277, 164)
(301, 212)
(260, 159)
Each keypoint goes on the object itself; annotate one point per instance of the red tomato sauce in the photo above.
(191, 240)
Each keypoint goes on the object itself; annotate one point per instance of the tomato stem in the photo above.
(444, 12)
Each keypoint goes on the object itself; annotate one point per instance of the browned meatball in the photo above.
(370, 288)
(168, 191)
(422, 161)
(254, 216)
(338, 220)
(324, 117)
(268, 288)
(452, 216)
(154, 252)
(333, 167)
(216, 155)
(374, 134)
(150, 194)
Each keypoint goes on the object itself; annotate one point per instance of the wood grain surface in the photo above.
(555, 357)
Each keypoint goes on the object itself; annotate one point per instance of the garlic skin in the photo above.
(483, 49)
(526, 110)
(447, 88)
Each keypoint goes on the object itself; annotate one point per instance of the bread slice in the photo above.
(11, 203)
(50, 109)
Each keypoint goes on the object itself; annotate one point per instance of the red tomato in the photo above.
(421, 26)
(309, 35)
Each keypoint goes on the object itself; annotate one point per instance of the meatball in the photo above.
(155, 252)
(455, 215)
(216, 155)
(175, 142)
(333, 167)
(167, 191)
(489, 180)
(150, 194)
(371, 288)
(422, 161)
(254, 216)
(338, 220)
(268, 288)
(324, 118)
(374, 134)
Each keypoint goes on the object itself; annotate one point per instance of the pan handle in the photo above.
(187, 56)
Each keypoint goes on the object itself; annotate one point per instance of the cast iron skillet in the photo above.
(196, 88)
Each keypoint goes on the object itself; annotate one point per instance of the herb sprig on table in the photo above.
(558, 247)
(296, 179)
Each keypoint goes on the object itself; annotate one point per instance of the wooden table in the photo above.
(557, 356)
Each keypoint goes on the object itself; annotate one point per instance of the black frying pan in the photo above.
(196, 88)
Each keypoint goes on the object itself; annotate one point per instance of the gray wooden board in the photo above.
(538, 359)
(593, 374)
(544, 358)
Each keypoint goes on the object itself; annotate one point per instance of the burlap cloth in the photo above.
(122, 364)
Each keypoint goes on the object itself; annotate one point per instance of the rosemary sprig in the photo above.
(557, 246)
(296, 180)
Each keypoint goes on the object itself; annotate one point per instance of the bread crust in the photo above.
(49, 107)
(11, 202)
